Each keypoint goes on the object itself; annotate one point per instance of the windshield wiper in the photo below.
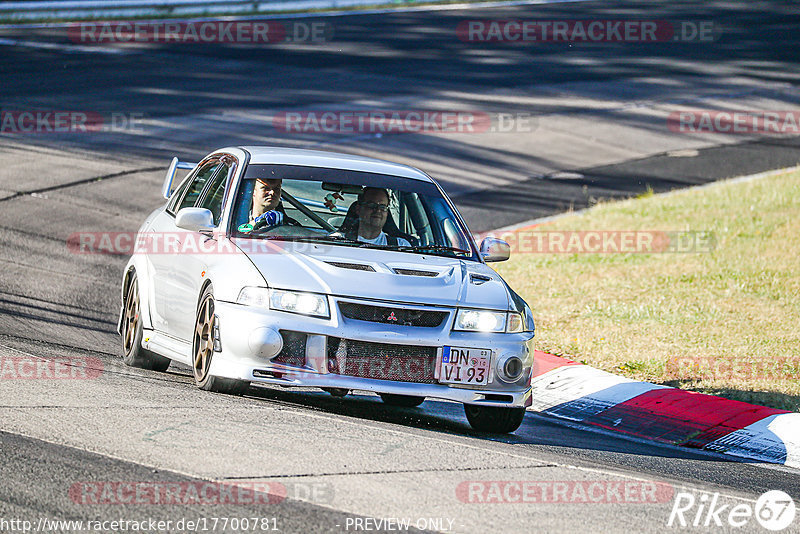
(325, 239)
(275, 237)
(431, 248)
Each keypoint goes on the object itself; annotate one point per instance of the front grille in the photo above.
(294, 349)
(387, 315)
(382, 361)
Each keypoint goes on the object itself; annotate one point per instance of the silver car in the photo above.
(348, 273)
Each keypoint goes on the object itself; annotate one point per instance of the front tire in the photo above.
(133, 354)
(404, 401)
(494, 419)
(203, 351)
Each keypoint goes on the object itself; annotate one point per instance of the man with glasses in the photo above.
(373, 210)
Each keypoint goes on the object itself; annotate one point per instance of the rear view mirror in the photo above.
(342, 188)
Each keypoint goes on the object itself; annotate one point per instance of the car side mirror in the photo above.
(493, 249)
(195, 220)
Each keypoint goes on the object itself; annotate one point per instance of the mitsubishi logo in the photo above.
(391, 317)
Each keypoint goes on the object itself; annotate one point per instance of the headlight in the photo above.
(487, 321)
(303, 303)
(288, 301)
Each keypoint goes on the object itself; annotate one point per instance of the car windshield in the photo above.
(347, 208)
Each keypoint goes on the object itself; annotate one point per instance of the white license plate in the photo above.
(461, 365)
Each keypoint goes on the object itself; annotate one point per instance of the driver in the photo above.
(267, 210)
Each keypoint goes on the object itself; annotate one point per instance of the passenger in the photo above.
(373, 210)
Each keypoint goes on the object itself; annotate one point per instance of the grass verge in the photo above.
(725, 322)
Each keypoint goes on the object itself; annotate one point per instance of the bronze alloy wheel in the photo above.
(133, 353)
(203, 350)
(131, 321)
(204, 339)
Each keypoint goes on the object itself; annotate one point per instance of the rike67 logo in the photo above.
(774, 510)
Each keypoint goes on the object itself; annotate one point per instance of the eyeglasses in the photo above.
(374, 206)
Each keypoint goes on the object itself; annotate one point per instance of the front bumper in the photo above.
(249, 339)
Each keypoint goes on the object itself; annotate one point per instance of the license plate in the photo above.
(461, 365)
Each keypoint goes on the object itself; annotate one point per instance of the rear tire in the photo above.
(404, 401)
(203, 351)
(493, 419)
(133, 354)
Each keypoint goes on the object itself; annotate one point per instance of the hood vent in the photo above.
(414, 272)
(479, 279)
(353, 266)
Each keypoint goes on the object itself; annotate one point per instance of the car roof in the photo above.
(268, 155)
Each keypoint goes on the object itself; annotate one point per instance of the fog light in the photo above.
(512, 368)
(265, 342)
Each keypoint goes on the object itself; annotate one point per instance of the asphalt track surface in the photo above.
(599, 112)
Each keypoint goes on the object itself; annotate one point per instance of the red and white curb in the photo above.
(575, 392)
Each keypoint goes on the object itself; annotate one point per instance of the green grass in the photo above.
(725, 322)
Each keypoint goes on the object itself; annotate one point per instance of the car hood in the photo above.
(378, 274)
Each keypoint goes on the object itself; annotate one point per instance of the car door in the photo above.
(187, 273)
(165, 238)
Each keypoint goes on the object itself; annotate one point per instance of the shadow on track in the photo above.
(448, 417)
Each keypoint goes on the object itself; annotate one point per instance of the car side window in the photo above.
(198, 183)
(176, 196)
(212, 200)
